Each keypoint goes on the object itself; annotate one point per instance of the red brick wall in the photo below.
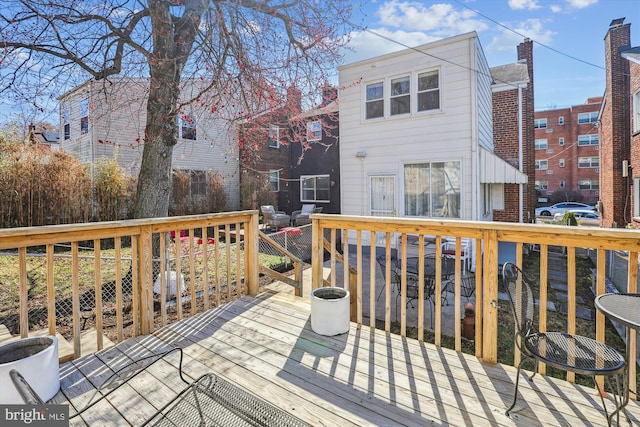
(506, 141)
(615, 137)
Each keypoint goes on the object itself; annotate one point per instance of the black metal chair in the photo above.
(568, 352)
(394, 276)
(467, 285)
(112, 383)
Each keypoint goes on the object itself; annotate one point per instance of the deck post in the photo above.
(251, 252)
(145, 268)
(490, 298)
(317, 251)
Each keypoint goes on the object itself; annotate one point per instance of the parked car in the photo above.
(584, 216)
(562, 207)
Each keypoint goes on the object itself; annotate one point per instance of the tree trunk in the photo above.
(161, 134)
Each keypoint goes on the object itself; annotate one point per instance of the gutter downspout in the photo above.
(520, 186)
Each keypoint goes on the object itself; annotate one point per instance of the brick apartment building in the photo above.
(567, 146)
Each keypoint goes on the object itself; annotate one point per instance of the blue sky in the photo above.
(568, 39)
(567, 71)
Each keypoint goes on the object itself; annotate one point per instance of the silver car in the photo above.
(584, 217)
(562, 207)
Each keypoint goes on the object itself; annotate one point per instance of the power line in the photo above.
(522, 35)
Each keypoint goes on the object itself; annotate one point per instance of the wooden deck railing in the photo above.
(104, 274)
(358, 232)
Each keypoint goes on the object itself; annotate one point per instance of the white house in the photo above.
(416, 134)
(106, 120)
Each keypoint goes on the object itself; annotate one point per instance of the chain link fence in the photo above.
(218, 276)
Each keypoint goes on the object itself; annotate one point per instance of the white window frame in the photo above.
(432, 193)
(414, 94)
(84, 116)
(590, 185)
(561, 163)
(66, 122)
(590, 117)
(274, 136)
(561, 141)
(314, 131)
(588, 139)
(593, 162)
(541, 144)
(542, 185)
(398, 92)
(428, 90)
(561, 120)
(636, 112)
(542, 164)
(304, 188)
(540, 123)
(274, 180)
(368, 100)
(561, 183)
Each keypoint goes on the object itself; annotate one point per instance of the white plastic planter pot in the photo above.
(37, 360)
(330, 311)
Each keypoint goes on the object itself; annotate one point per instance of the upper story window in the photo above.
(274, 180)
(314, 131)
(561, 163)
(187, 127)
(274, 136)
(314, 188)
(542, 164)
(636, 112)
(84, 115)
(428, 91)
(561, 141)
(561, 183)
(400, 96)
(591, 139)
(541, 144)
(539, 123)
(588, 117)
(66, 122)
(375, 100)
(588, 162)
(560, 120)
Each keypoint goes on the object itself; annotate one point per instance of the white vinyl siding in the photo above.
(443, 135)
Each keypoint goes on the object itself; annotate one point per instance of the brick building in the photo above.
(513, 114)
(633, 56)
(567, 147)
(615, 130)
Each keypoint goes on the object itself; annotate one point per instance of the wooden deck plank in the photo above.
(501, 380)
(364, 377)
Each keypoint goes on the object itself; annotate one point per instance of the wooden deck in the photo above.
(365, 377)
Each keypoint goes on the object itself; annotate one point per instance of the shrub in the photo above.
(255, 191)
(112, 189)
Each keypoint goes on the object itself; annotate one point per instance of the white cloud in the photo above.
(524, 4)
(439, 19)
(532, 28)
(368, 44)
(581, 4)
(555, 8)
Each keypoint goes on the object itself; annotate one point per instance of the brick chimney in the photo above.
(525, 55)
(615, 136)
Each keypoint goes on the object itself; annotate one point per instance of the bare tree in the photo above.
(246, 50)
